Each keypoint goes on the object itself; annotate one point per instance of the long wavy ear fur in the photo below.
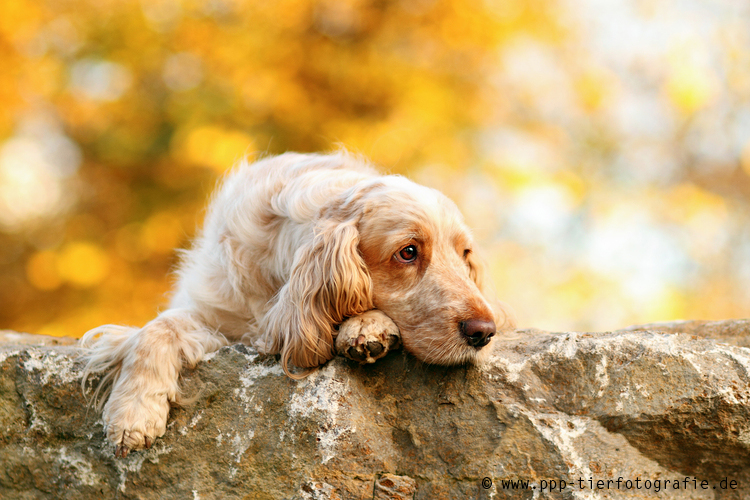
(328, 283)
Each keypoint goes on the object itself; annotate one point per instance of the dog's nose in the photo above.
(478, 332)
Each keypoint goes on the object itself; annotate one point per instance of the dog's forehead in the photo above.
(399, 204)
(395, 188)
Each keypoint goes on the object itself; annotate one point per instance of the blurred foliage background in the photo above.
(600, 149)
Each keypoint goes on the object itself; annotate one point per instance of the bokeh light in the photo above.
(599, 149)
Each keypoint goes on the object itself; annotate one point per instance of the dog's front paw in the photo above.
(134, 423)
(367, 337)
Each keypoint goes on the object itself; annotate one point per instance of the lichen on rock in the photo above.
(646, 403)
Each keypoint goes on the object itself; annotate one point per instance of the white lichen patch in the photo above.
(37, 423)
(196, 418)
(602, 375)
(563, 431)
(315, 490)
(240, 444)
(238, 441)
(84, 471)
(249, 377)
(257, 371)
(134, 462)
(193, 421)
(566, 346)
(51, 364)
(512, 369)
(7, 354)
(323, 393)
(245, 398)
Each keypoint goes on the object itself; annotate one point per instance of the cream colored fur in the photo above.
(299, 257)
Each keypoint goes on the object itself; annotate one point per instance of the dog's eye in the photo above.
(467, 252)
(407, 254)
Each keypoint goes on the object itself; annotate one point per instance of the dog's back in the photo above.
(258, 219)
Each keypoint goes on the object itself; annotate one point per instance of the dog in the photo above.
(305, 256)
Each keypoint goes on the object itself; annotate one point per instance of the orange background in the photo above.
(601, 150)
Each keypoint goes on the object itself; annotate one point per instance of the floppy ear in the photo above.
(328, 282)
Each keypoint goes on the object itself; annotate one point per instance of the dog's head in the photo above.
(425, 273)
(402, 248)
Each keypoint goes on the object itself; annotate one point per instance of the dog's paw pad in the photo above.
(394, 342)
(376, 348)
(368, 337)
(356, 353)
(367, 352)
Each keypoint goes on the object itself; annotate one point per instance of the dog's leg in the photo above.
(367, 337)
(146, 376)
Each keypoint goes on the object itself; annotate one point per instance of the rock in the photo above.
(736, 332)
(574, 414)
(393, 487)
(16, 338)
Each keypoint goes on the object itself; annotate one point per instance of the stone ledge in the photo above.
(637, 403)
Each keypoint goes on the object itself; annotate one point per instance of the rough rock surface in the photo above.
(646, 403)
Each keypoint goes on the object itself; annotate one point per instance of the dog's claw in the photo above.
(121, 451)
(148, 443)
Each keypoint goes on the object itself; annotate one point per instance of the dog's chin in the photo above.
(450, 353)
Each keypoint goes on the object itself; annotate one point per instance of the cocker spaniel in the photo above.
(305, 256)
